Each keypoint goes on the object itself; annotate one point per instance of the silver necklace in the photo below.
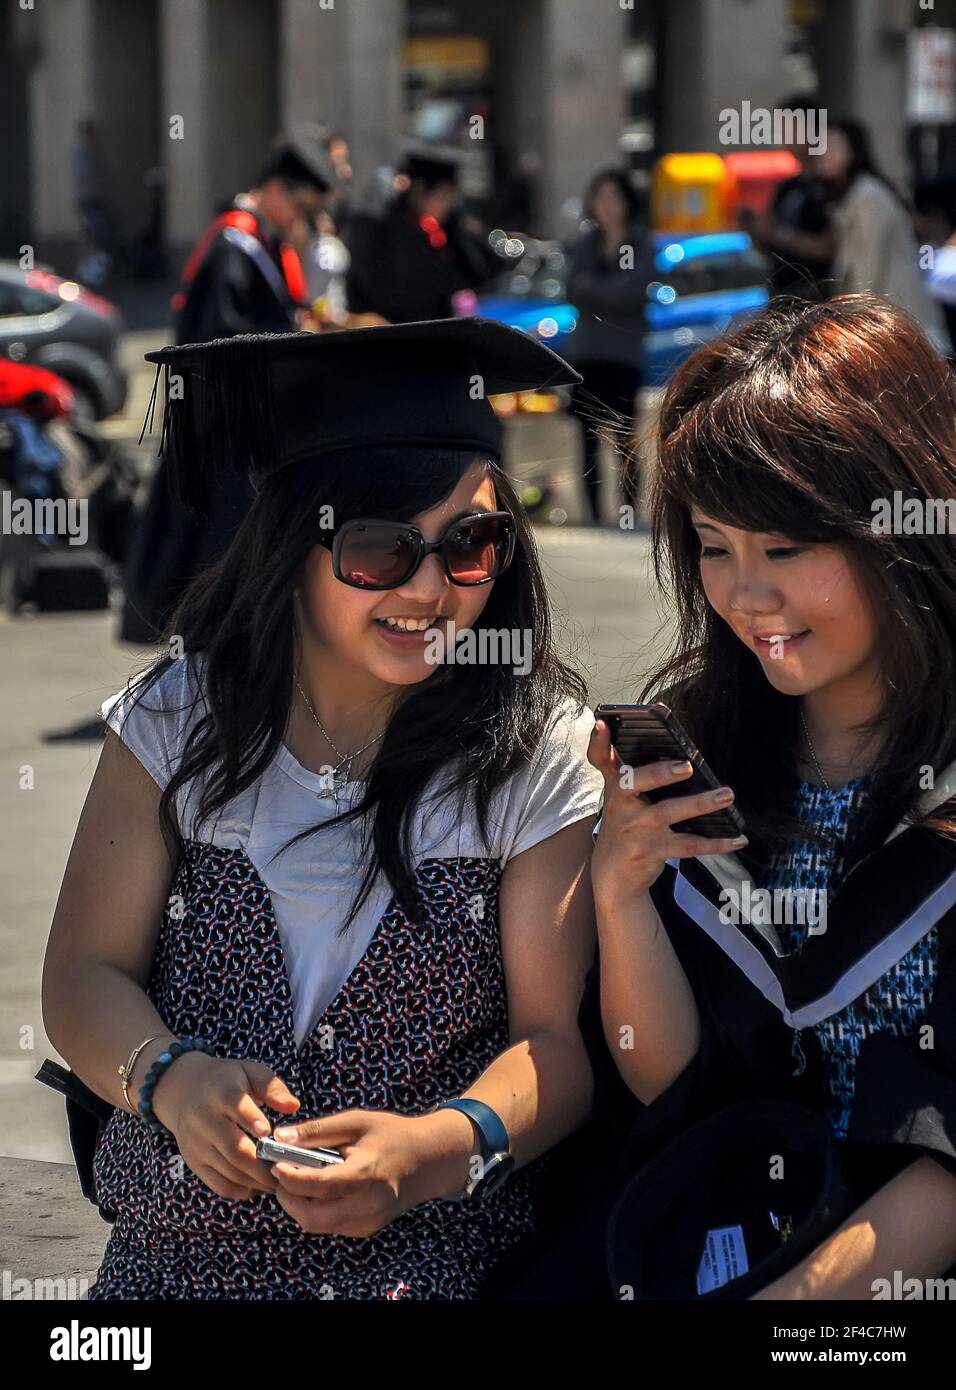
(341, 772)
(813, 753)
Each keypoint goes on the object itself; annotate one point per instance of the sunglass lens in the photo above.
(480, 549)
(377, 556)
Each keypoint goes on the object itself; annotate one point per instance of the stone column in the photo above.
(185, 112)
(719, 53)
(242, 108)
(863, 73)
(342, 63)
(219, 75)
(60, 94)
(578, 79)
(125, 88)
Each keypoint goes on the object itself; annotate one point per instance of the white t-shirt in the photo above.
(312, 884)
(876, 250)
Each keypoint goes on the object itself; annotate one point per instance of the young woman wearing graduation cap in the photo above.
(815, 668)
(321, 879)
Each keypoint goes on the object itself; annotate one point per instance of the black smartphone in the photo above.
(644, 734)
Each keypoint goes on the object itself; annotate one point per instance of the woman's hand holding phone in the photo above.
(392, 1163)
(637, 836)
(210, 1105)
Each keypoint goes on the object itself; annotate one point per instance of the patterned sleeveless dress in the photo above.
(420, 1017)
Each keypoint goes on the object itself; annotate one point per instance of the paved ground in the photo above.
(50, 1235)
(56, 671)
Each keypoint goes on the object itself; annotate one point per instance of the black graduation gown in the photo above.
(800, 204)
(230, 295)
(396, 272)
(751, 1002)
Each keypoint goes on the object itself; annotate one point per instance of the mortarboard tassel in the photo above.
(218, 421)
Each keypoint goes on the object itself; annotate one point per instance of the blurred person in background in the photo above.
(96, 239)
(341, 156)
(521, 187)
(326, 262)
(610, 265)
(319, 242)
(419, 255)
(875, 245)
(244, 275)
(146, 252)
(934, 220)
(797, 234)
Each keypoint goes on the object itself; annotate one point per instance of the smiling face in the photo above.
(347, 625)
(807, 597)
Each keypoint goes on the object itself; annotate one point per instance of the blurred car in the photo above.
(703, 284)
(46, 321)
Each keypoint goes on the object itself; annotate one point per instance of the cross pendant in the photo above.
(340, 777)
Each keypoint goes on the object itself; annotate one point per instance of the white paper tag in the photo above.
(724, 1258)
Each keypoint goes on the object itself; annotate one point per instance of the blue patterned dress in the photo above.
(898, 1001)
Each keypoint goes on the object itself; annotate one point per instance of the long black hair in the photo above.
(476, 723)
(613, 173)
(862, 158)
(796, 423)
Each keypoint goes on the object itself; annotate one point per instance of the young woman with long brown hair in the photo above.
(814, 664)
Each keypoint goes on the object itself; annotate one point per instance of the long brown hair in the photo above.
(796, 423)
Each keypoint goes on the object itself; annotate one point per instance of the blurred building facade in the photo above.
(196, 89)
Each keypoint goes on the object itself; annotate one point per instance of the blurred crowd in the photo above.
(302, 248)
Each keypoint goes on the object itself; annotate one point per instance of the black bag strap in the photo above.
(69, 1085)
(87, 1115)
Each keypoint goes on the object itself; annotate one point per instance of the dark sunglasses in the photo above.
(372, 554)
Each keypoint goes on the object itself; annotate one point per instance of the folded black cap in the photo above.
(729, 1206)
(301, 156)
(259, 402)
(435, 163)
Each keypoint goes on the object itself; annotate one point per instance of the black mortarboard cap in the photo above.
(302, 154)
(424, 159)
(259, 402)
(731, 1205)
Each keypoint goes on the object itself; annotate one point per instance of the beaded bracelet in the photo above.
(145, 1105)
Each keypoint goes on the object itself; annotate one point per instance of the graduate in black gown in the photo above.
(412, 256)
(796, 525)
(242, 276)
